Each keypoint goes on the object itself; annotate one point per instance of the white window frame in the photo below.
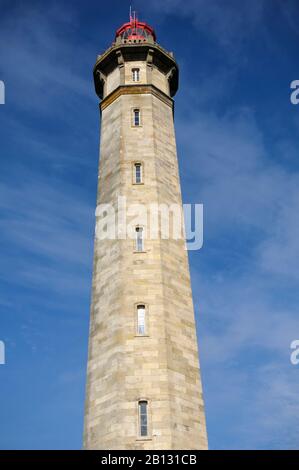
(141, 309)
(136, 74)
(138, 230)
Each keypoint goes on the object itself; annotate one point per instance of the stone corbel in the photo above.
(169, 76)
(149, 63)
(150, 57)
(120, 58)
(121, 66)
(170, 73)
(102, 79)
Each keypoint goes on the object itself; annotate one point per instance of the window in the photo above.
(138, 173)
(143, 418)
(141, 319)
(136, 117)
(139, 239)
(136, 75)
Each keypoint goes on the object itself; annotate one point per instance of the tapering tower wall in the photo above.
(160, 366)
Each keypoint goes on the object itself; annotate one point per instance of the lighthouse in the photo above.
(143, 381)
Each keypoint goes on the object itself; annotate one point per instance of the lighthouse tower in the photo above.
(143, 383)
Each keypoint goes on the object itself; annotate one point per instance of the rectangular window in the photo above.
(138, 173)
(143, 419)
(136, 75)
(141, 319)
(139, 239)
(136, 117)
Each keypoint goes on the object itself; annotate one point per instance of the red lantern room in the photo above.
(135, 31)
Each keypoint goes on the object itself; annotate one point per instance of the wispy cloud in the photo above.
(247, 308)
(49, 65)
(228, 23)
(52, 226)
(239, 162)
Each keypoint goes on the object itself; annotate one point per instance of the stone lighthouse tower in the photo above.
(143, 385)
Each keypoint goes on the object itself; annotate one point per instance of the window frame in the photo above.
(148, 435)
(136, 250)
(133, 117)
(137, 71)
(141, 172)
(146, 323)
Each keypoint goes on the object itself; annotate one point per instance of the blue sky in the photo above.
(237, 136)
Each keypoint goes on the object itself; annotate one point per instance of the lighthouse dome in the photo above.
(135, 31)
